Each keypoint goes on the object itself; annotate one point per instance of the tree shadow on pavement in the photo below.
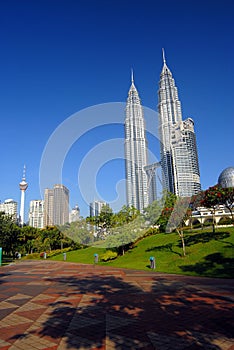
(106, 312)
(2, 277)
(192, 318)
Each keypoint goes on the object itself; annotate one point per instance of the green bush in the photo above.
(197, 225)
(32, 256)
(225, 221)
(58, 251)
(108, 255)
(49, 254)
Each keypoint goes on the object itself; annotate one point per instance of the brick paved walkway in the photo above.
(59, 305)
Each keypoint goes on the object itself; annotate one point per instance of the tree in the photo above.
(56, 237)
(105, 218)
(214, 196)
(9, 234)
(79, 232)
(27, 238)
(103, 222)
(123, 236)
(153, 212)
(125, 215)
(168, 200)
(181, 212)
(195, 202)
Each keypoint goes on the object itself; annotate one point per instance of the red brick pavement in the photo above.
(59, 305)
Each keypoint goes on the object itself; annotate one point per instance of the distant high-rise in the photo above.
(36, 213)
(74, 214)
(56, 205)
(135, 151)
(96, 207)
(179, 159)
(61, 205)
(9, 207)
(151, 180)
(48, 207)
(23, 187)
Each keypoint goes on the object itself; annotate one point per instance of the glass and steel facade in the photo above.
(48, 207)
(61, 205)
(56, 205)
(185, 159)
(135, 152)
(178, 150)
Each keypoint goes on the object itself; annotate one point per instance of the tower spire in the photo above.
(24, 173)
(163, 53)
(132, 76)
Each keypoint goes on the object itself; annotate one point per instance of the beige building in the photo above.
(56, 205)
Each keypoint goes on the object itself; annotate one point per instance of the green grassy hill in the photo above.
(207, 254)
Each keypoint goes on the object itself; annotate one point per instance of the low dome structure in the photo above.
(226, 178)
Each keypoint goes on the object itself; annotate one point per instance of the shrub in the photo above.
(197, 225)
(58, 251)
(53, 253)
(108, 255)
(48, 254)
(208, 223)
(33, 256)
(225, 221)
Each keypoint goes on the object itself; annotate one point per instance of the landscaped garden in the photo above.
(130, 239)
(207, 254)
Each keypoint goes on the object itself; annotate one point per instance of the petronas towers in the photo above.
(135, 151)
(178, 150)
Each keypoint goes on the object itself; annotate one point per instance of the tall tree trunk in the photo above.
(181, 234)
(213, 220)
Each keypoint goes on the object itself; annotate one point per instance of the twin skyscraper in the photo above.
(178, 151)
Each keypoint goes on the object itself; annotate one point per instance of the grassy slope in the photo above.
(208, 254)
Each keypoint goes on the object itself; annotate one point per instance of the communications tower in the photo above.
(23, 185)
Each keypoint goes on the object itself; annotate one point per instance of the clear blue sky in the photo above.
(60, 56)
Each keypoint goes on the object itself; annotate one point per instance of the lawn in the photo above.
(207, 254)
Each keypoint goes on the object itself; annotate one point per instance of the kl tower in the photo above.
(23, 185)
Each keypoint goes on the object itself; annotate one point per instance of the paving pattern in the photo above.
(60, 305)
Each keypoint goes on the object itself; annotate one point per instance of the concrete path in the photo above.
(60, 305)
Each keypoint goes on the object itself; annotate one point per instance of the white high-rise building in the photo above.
(9, 207)
(36, 213)
(95, 207)
(74, 214)
(135, 151)
(179, 159)
(185, 159)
